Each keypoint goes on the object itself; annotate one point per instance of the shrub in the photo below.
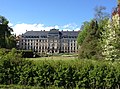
(75, 74)
(27, 54)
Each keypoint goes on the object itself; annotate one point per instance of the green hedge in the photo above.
(75, 74)
(27, 87)
(27, 53)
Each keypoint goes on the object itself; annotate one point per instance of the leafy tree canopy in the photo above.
(83, 33)
(7, 40)
(100, 13)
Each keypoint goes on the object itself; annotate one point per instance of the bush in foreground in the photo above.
(74, 74)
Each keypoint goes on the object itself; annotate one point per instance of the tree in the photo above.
(83, 33)
(10, 41)
(5, 33)
(118, 1)
(90, 38)
(89, 48)
(111, 41)
(3, 20)
(100, 13)
(111, 37)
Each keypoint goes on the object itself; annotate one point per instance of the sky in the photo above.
(27, 15)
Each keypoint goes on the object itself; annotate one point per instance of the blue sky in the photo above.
(51, 13)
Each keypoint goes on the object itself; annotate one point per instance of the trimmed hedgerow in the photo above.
(75, 74)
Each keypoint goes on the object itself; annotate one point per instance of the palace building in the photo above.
(53, 41)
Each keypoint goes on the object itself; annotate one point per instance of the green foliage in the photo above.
(7, 40)
(11, 66)
(90, 40)
(83, 33)
(10, 41)
(18, 87)
(27, 87)
(3, 20)
(110, 41)
(100, 13)
(27, 53)
(91, 37)
(58, 74)
(90, 47)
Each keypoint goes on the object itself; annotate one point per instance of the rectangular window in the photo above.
(74, 48)
(36, 47)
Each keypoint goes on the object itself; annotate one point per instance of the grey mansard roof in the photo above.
(35, 33)
(52, 31)
(69, 33)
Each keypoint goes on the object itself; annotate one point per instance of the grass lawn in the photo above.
(54, 58)
(57, 57)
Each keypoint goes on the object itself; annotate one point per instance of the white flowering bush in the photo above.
(110, 42)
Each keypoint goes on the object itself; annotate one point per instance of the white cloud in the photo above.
(67, 25)
(23, 27)
(71, 26)
(10, 24)
(56, 26)
(76, 29)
